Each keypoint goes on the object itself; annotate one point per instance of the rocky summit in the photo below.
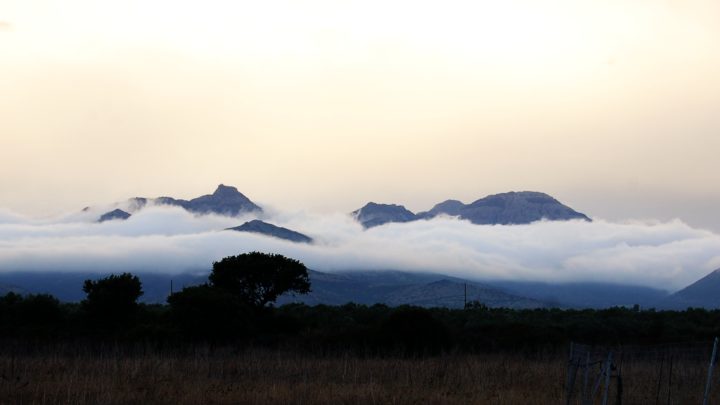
(226, 200)
(114, 214)
(264, 228)
(508, 208)
(373, 214)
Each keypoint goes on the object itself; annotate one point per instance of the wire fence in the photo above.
(677, 373)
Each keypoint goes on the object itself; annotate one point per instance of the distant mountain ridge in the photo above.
(391, 288)
(226, 200)
(402, 288)
(396, 288)
(511, 208)
(522, 207)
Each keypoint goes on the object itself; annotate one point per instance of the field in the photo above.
(262, 376)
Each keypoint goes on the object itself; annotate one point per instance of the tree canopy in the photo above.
(259, 278)
(113, 298)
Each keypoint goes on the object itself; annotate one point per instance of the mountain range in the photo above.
(404, 288)
(225, 200)
(499, 209)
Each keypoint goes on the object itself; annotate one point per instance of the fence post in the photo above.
(670, 379)
(706, 398)
(585, 378)
(659, 383)
(570, 381)
(608, 371)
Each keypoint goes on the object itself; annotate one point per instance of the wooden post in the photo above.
(585, 378)
(670, 379)
(619, 390)
(706, 398)
(569, 382)
(608, 371)
(657, 392)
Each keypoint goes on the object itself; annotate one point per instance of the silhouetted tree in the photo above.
(30, 315)
(113, 299)
(259, 278)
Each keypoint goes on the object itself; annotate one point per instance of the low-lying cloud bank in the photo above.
(667, 255)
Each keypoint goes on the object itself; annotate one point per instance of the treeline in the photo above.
(235, 308)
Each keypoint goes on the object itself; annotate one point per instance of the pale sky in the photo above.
(613, 107)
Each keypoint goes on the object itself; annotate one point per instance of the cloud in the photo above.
(668, 255)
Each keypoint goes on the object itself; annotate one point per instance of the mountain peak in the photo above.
(373, 214)
(448, 207)
(225, 191)
(225, 200)
(113, 215)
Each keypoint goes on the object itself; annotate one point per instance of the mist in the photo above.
(667, 255)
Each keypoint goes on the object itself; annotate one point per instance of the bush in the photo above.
(112, 301)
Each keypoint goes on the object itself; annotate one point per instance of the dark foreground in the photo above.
(260, 376)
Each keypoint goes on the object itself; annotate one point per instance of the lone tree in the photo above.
(259, 278)
(112, 299)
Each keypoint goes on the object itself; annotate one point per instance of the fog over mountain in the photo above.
(667, 255)
(511, 208)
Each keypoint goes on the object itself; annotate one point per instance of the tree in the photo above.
(259, 278)
(112, 299)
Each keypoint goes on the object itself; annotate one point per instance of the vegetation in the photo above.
(258, 278)
(257, 376)
(224, 342)
(207, 314)
(112, 300)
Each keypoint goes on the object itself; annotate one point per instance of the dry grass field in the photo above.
(277, 377)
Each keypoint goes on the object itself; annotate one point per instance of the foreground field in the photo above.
(267, 377)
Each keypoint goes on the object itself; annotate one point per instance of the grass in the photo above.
(278, 377)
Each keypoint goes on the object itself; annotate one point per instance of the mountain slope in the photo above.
(584, 294)
(264, 228)
(114, 214)
(400, 288)
(703, 293)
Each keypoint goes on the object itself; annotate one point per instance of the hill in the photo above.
(703, 293)
(264, 228)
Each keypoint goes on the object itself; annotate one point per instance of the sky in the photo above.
(321, 106)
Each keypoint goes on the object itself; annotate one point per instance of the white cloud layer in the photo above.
(667, 255)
